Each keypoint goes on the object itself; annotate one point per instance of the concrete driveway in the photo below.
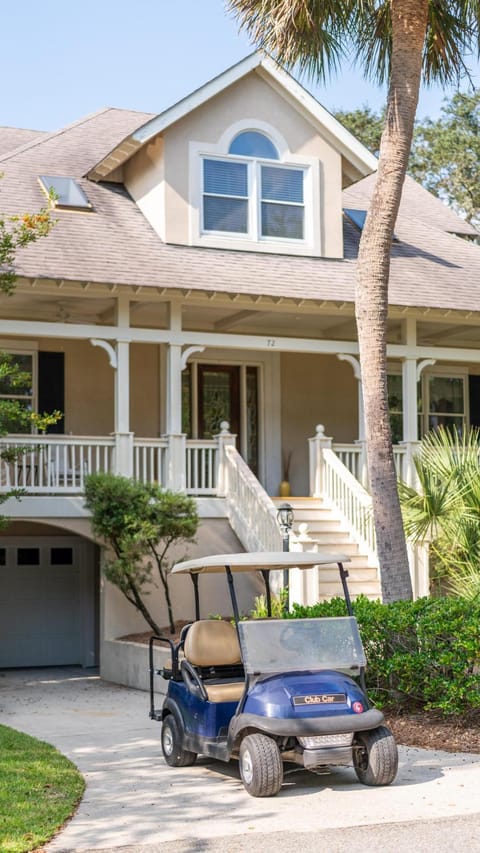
(133, 798)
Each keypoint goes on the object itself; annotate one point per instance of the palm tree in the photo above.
(445, 510)
(400, 41)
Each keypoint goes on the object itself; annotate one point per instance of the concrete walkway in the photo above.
(134, 800)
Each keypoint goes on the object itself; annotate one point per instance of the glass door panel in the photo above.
(218, 399)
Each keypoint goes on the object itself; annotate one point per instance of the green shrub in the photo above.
(422, 654)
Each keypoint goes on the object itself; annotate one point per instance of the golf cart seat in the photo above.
(212, 665)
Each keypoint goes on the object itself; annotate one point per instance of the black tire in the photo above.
(261, 766)
(375, 756)
(173, 752)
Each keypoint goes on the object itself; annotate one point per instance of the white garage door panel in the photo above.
(40, 616)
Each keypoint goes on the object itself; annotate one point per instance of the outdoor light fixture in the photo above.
(285, 522)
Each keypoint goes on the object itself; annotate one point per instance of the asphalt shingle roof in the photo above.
(115, 243)
(15, 137)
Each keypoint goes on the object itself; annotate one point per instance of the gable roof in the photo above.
(362, 161)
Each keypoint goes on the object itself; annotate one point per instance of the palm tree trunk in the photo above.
(409, 21)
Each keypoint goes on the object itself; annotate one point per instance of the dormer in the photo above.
(248, 162)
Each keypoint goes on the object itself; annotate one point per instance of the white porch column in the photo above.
(362, 472)
(175, 473)
(119, 357)
(410, 418)
(316, 446)
(411, 372)
(176, 453)
(123, 437)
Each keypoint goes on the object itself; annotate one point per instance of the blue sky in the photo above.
(60, 60)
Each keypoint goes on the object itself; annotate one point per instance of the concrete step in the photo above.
(360, 575)
(328, 532)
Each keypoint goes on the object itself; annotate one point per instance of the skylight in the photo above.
(358, 217)
(67, 192)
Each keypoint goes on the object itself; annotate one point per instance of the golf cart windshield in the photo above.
(289, 645)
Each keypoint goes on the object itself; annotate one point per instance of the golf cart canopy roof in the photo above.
(259, 561)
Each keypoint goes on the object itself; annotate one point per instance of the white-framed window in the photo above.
(18, 389)
(442, 400)
(251, 193)
(249, 190)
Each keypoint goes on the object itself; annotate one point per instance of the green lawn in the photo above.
(39, 790)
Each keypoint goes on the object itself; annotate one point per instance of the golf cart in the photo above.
(269, 691)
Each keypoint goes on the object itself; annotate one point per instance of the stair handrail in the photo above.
(331, 480)
(251, 511)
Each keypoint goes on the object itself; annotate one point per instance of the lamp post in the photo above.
(285, 522)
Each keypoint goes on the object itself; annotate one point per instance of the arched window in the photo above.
(251, 143)
(250, 193)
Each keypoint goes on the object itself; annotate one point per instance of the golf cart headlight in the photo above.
(326, 740)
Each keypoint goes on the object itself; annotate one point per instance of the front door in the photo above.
(214, 393)
(218, 399)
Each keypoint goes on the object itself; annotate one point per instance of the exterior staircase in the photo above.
(317, 526)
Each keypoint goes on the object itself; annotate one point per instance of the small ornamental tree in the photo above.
(139, 522)
(17, 232)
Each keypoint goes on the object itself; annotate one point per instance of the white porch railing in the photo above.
(251, 512)
(343, 492)
(202, 467)
(149, 456)
(331, 480)
(51, 464)
(352, 456)
(58, 464)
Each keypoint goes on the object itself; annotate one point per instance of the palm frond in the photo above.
(316, 35)
(309, 34)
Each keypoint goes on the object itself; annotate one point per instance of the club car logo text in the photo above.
(319, 699)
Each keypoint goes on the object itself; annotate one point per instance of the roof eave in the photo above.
(351, 149)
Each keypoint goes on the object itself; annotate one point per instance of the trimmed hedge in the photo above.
(422, 654)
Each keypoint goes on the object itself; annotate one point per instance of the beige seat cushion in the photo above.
(211, 642)
(226, 692)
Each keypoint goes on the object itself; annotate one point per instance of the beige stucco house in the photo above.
(195, 294)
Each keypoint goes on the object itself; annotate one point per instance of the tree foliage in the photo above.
(139, 523)
(445, 509)
(16, 232)
(446, 155)
(365, 124)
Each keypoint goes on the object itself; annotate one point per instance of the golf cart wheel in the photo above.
(173, 752)
(375, 756)
(261, 766)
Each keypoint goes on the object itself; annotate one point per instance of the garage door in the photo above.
(40, 605)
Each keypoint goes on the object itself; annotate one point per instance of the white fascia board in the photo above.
(197, 98)
(156, 125)
(347, 144)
